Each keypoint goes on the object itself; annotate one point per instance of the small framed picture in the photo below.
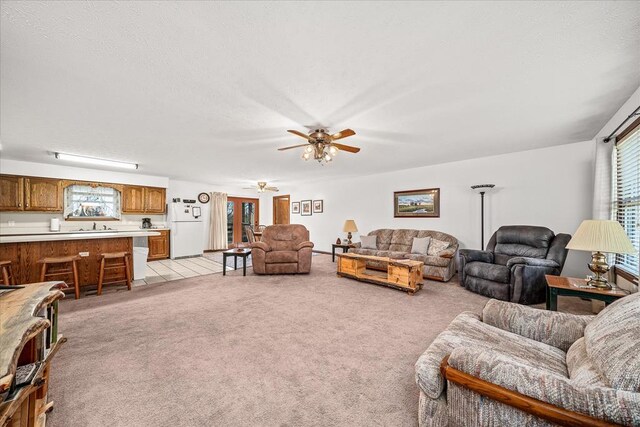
(295, 207)
(305, 208)
(318, 206)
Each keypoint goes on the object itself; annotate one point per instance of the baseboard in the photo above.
(322, 252)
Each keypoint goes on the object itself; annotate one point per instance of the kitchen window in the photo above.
(85, 202)
(627, 194)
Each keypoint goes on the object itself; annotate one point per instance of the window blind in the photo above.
(627, 195)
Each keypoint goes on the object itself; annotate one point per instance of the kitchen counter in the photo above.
(78, 235)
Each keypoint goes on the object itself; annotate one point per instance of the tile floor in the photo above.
(168, 269)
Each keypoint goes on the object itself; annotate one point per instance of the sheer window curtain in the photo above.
(218, 223)
(603, 188)
(603, 180)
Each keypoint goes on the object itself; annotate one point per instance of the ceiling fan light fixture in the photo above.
(306, 155)
(333, 151)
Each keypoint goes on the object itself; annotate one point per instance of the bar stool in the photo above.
(7, 274)
(105, 266)
(62, 266)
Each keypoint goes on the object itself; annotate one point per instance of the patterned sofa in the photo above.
(397, 244)
(589, 365)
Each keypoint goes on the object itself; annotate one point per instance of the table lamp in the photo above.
(598, 236)
(349, 227)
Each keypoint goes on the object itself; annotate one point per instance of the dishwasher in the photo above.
(140, 254)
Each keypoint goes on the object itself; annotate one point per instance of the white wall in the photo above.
(627, 108)
(551, 187)
(175, 188)
(17, 167)
(190, 190)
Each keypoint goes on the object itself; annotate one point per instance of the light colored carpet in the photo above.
(314, 350)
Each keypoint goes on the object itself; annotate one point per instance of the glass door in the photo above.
(241, 212)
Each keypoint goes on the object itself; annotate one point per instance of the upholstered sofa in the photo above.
(515, 263)
(397, 244)
(283, 249)
(589, 365)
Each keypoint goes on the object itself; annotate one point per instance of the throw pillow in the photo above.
(436, 246)
(369, 242)
(420, 245)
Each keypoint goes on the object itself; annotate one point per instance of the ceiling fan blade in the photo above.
(348, 148)
(248, 188)
(293, 146)
(271, 189)
(343, 134)
(300, 134)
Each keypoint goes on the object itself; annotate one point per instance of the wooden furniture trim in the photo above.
(19, 322)
(540, 409)
(24, 195)
(628, 130)
(39, 384)
(164, 236)
(275, 198)
(361, 274)
(563, 282)
(237, 216)
(626, 275)
(27, 194)
(19, 205)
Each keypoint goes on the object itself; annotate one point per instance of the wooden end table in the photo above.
(235, 253)
(571, 286)
(345, 249)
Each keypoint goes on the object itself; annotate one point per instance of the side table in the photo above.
(235, 254)
(569, 286)
(344, 247)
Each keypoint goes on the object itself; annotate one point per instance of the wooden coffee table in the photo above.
(403, 274)
(571, 286)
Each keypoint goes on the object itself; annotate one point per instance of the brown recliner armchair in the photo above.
(284, 249)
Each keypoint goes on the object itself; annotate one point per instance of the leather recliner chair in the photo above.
(515, 263)
(283, 249)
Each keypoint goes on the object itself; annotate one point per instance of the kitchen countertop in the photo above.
(78, 235)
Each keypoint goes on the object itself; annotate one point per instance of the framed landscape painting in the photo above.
(305, 208)
(417, 203)
(295, 207)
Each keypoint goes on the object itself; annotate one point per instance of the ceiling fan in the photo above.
(321, 144)
(262, 187)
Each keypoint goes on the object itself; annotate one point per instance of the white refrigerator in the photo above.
(187, 230)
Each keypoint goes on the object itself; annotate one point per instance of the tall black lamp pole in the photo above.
(482, 188)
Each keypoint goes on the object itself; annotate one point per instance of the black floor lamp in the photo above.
(482, 188)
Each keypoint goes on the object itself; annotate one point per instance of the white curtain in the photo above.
(218, 223)
(603, 180)
(603, 188)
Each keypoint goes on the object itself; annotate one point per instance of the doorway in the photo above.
(241, 212)
(281, 209)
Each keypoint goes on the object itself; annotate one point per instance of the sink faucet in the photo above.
(94, 225)
(104, 227)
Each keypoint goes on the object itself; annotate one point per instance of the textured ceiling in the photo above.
(205, 90)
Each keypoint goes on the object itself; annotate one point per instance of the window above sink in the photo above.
(86, 202)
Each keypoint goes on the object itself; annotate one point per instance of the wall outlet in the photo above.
(83, 254)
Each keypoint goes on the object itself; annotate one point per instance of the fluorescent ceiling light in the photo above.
(94, 161)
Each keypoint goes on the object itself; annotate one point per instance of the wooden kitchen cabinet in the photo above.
(159, 245)
(11, 193)
(132, 199)
(155, 200)
(42, 194)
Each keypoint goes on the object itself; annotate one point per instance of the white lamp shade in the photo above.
(597, 235)
(350, 226)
